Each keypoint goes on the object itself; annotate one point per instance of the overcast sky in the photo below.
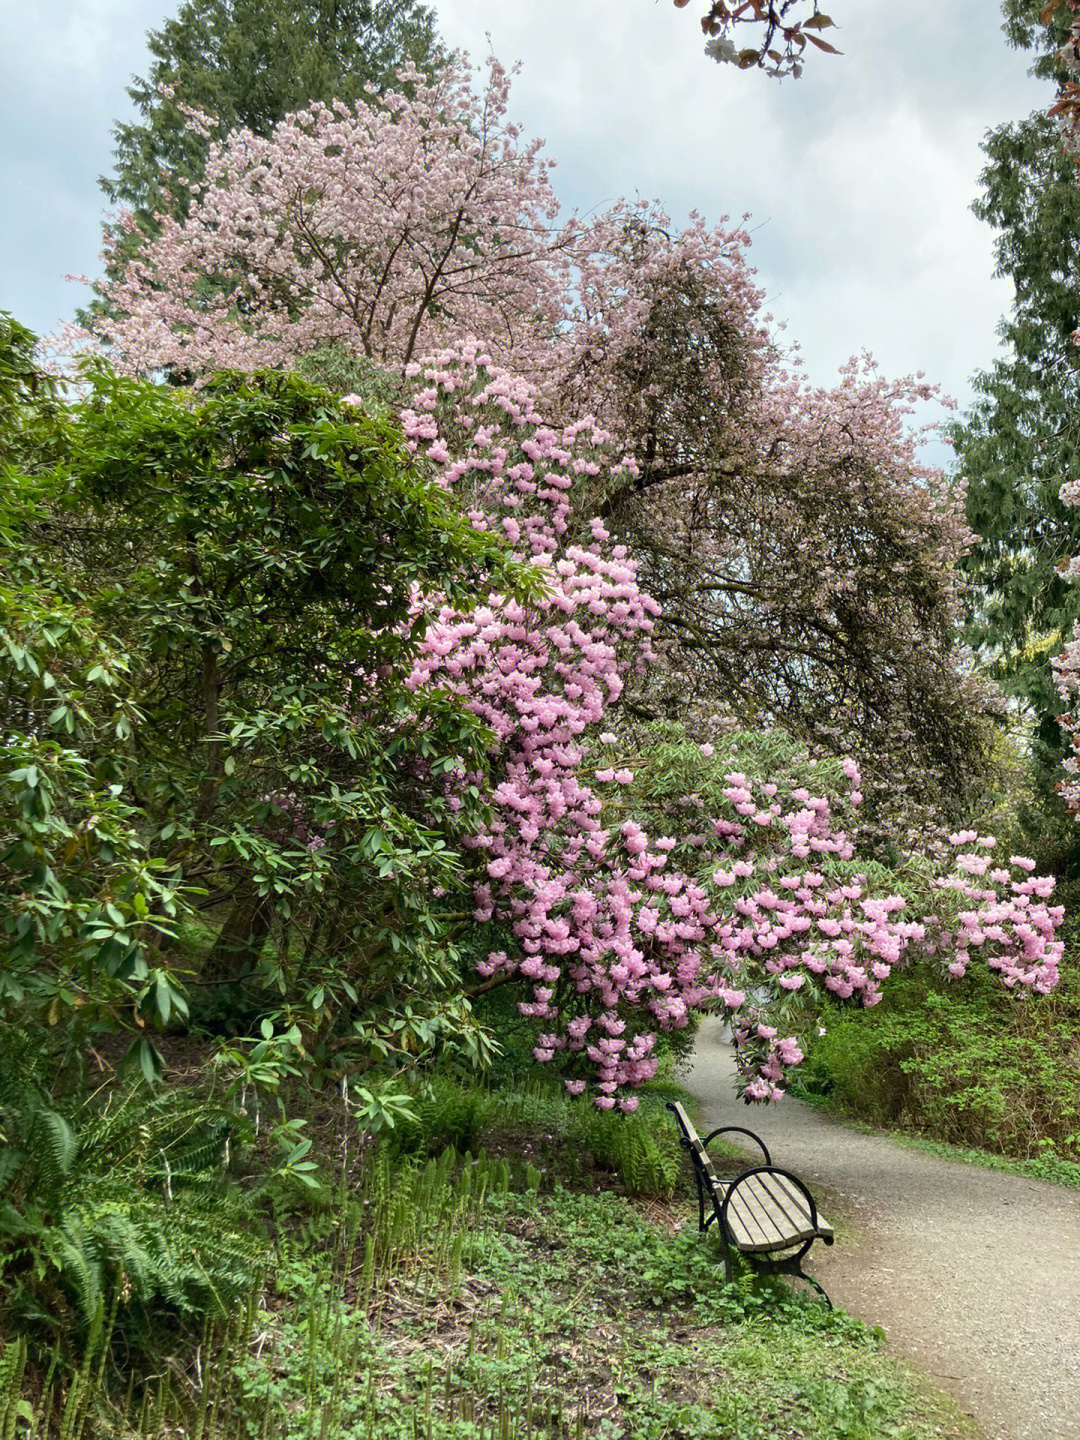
(858, 176)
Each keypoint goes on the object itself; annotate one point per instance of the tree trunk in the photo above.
(241, 938)
(211, 694)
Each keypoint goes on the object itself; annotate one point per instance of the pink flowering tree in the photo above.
(1067, 674)
(1066, 110)
(806, 560)
(386, 225)
(393, 227)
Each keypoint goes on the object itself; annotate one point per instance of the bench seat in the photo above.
(768, 1213)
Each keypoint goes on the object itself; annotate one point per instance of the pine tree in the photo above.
(1020, 442)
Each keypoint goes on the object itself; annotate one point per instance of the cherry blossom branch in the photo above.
(779, 36)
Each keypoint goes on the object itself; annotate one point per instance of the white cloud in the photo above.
(858, 177)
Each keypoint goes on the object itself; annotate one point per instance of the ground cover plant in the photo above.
(418, 1289)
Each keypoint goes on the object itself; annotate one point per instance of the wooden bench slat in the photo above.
(774, 1230)
(793, 1198)
(746, 1227)
(683, 1118)
(777, 1228)
(706, 1163)
(799, 1200)
(747, 1203)
(747, 1235)
(779, 1200)
(760, 1194)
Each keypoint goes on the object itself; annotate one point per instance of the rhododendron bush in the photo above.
(211, 611)
(639, 888)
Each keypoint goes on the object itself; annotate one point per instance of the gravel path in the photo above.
(974, 1274)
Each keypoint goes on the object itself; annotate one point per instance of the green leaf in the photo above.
(163, 993)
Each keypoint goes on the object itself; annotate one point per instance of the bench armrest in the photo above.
(738, 1130)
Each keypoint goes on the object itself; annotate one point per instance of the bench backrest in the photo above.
(693, 1143)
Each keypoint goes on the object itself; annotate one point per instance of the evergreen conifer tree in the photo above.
(1020, 442)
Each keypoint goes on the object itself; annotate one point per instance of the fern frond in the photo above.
(53, 1147)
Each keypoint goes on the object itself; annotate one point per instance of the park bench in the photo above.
(766, 1214)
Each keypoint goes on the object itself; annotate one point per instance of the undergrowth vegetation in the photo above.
(541, 1123)
(509, 1267)
(963, 1063)
(118, 1212)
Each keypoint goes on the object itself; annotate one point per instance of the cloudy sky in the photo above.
(858, 177)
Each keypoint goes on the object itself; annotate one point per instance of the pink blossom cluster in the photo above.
(621, 931)
(1066, 109)
(1067, 673)
(1000, 910)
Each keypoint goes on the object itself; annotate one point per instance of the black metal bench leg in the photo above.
(819, 1288)
(796, 1270)
(790, 1267)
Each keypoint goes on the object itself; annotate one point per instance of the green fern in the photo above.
(53, 1149)
(126, 1198)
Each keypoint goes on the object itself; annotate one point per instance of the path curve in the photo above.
(974, 1274)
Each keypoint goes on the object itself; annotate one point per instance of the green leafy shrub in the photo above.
(191, 584)
(961, 1062)
(447, 1113)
